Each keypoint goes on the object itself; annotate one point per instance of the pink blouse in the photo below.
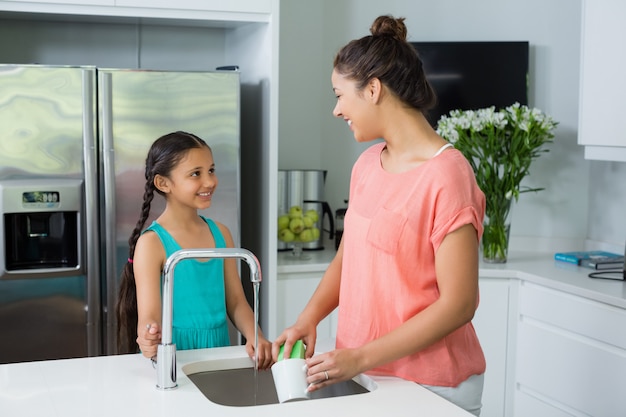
(392, 229)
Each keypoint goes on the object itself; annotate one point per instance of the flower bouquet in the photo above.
(500, 146)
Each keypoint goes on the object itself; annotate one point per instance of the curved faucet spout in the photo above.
(166, 351)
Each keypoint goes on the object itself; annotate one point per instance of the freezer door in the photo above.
(45, 114)
(137, 107)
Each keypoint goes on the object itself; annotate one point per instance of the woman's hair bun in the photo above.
(389, 26)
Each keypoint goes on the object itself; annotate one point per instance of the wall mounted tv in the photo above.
(474, 75)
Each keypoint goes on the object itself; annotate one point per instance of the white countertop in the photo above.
(537, 267)
(125, 385)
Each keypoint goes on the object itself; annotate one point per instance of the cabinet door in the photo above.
(239, 6)
(62, 2)
(603, 85)
(571, 355)
(294, 291)
(491, 322)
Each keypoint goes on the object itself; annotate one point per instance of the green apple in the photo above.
(295, 212)
(286, 235)
(312, 213)
(296, 225)
(283, 222)
(306, 235)
(308, 221)
(315, 232)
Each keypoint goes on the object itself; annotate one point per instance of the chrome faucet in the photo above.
(166, 351)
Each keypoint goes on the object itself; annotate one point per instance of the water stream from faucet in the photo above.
(255, 287)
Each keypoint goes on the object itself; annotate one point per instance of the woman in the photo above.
(405, 276)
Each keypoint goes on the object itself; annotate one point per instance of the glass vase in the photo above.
(495, 240)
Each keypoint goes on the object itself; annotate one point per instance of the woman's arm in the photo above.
(323, 301)
(147, 265)
(456, 266)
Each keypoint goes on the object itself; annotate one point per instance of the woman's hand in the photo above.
(332, 367)
(264, 352)
(290, 336)
(148, 338)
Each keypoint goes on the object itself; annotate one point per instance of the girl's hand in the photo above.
(332, 367)
(264, 353)
(148, 338)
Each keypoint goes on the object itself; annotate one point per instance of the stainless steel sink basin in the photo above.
(232, 382)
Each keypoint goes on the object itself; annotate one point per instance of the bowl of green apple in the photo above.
(297, 227)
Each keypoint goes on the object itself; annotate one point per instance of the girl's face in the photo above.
(193, 181)
(354, 107)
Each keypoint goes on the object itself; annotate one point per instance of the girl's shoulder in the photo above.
(150, 243)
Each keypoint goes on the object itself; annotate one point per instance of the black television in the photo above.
(474, 75)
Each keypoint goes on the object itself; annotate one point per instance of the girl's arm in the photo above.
(239, 310)
(147, 265)
(456, 265)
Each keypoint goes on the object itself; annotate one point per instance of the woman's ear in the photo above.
(374, 90)
(161, 183)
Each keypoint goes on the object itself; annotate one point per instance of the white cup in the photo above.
(290, 380)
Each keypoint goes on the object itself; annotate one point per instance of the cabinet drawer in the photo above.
(568, 372)
(528, 405)
(595, 320)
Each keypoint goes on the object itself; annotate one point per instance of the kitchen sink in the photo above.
(232, 382)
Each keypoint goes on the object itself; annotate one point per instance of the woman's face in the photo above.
(355, 107)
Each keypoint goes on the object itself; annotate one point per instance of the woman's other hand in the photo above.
(332, 367)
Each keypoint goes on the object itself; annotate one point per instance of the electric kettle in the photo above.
(305, 188)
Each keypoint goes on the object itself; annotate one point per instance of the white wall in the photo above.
(565, 215)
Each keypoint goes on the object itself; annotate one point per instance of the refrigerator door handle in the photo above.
(91, 234)
(109, 201)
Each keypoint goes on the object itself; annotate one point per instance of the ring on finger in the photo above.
(326, 373)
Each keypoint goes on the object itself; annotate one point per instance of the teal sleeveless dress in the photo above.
(199, 309)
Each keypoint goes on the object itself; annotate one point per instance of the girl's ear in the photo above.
(161, 183)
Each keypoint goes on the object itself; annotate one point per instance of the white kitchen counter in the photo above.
(124, 385)
(537, 267)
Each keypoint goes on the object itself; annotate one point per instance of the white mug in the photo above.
(290, 380)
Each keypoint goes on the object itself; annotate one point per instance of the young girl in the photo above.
(405, 276)
(180, 167)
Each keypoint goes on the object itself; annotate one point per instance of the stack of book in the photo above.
(594, 259)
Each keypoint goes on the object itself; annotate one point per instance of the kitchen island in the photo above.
(125, 386)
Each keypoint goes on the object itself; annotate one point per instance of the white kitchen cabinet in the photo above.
(571, 355)
(602, 82)
(247, 6)
(231, 6)
(293, 293)
(496, 330)
(65, 2)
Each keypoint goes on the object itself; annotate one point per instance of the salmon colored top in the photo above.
(393, 227)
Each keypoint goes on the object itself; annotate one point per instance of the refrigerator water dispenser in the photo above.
(40, 228)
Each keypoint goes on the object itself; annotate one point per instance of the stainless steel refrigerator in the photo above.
(73, 142)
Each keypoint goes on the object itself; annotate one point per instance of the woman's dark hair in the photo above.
(163, 156)
(386, 55)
